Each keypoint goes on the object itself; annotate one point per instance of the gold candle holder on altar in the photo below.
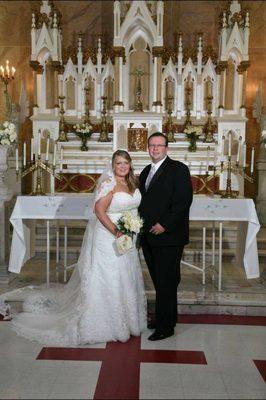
(62, 133)
(87, 104)
(209, 126)
(169, 122)
(229, 166)
(188, 91)
(104, 125)
(36, 164)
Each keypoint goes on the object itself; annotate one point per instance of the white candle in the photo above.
(207, 161)
(47, 149)
(39, 142)
(252, 160)
(238, 149)
(61, 160)
(222, 151)
(229, 143)
(31, 149)
(54, 159)
(24, 154)
(16, 159)
(244, 155)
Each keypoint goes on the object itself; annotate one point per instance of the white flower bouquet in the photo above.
(83, 131)
(193, 133)
(129, 225)
(8, 133)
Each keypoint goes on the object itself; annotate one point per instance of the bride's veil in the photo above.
(60, 297)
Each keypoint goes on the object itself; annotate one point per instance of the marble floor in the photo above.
(210, 356)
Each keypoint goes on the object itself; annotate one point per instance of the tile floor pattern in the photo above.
(207, 358)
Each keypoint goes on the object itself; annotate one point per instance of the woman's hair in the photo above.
(131, 179)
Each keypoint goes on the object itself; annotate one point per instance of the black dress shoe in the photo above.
(151, 325)
(160, 335)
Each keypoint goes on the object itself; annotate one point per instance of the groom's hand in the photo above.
(157, 229)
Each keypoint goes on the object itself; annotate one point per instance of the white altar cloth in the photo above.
(79, 207)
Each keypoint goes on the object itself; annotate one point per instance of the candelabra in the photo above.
(209, 126)
(6, 76)
(62, 134)
(36, 164)
(169, 123)
(229, 166)
(104, 125)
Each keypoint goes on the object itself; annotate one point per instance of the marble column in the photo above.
(242, 70)
(119, 53)
(221, 70)
(261, 197)
(157, 53)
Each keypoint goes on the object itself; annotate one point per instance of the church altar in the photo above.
(140, 83)
(79, 207)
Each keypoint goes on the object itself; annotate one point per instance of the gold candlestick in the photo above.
(87, 104)
(104, 125)
(62, 134)
(169, 123)
(209, 126)
(188, 91)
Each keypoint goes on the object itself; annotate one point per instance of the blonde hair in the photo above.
(131, 179)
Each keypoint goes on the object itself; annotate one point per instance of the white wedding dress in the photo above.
(104, 299)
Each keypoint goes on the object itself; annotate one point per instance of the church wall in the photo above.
(96, 17)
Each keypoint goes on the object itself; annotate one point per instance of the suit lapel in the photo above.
(158, 173)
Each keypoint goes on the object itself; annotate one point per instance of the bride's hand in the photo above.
(118, 234)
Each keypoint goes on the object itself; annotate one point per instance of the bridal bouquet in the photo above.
(129, 225)
(8, 133)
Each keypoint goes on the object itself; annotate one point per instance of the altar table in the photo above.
(79, 207)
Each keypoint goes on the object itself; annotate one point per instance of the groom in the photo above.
(166, 191)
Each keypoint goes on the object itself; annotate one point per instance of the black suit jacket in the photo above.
(167, 201)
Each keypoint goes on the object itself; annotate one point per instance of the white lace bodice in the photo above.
(123, 201)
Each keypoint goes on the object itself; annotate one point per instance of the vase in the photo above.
(3, 168)
(193, 145)
(84, 146)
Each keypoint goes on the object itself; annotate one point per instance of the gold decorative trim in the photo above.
(157, 51)
(89, 53)
(220, 67)
(36, 66)
(243, 66)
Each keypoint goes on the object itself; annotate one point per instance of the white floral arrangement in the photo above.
(83, 129)
(195, 131)
(130, 225)
(8, 133)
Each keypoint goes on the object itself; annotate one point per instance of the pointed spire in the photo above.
(224, 20)
(199, 55)
(55, 25)
(33, 21)
(99, 55)
(247, 20)
(180, 54)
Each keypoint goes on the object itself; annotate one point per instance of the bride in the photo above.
(104, 299)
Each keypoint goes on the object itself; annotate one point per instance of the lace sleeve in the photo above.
(104, 188)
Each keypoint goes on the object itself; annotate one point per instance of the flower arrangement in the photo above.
(83, 131)
(8, 133)
(129, 225)
(193, 133)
